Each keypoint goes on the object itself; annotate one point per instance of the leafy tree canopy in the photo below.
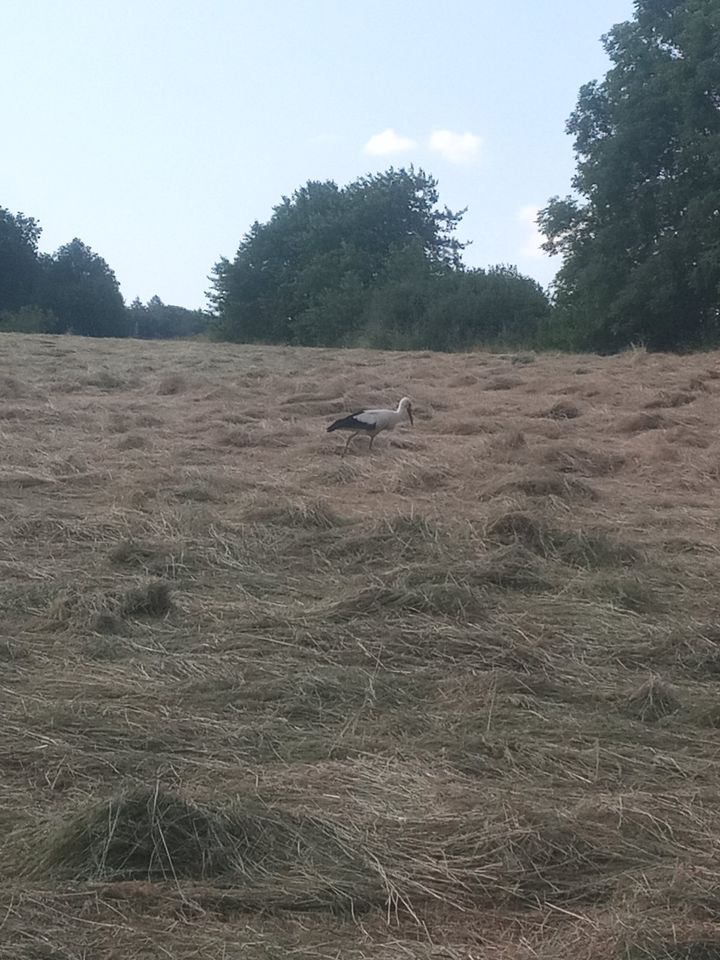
(641, 240)
(326, 241)
(374, 262)
(19, 266)
(81, 291)
(72, 290)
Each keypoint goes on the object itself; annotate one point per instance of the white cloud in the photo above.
(455, 147)
(387, 142)
(532, 246)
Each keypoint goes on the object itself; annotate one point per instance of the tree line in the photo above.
(377, 262)
(74, 291)
(639, 237)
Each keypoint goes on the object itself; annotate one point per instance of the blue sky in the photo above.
(158, 131)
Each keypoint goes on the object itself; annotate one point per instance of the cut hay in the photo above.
(162, 560)
(671, 948)
(242, 438)
(152, 600)
(248, 677)
(583, 460)
(440, 598)
(104, 611)
(504, 383)
(151, 833)
(468, 428)
(418, 478)
(317, 515)
(12, 389)
(133, 441)
(562, 410)
(641, 422)
(172, 385)
(624, 592)
(678, 398)
(460, 591)
(653, 700)
(592, 548)
(698, 652)
(544, 483)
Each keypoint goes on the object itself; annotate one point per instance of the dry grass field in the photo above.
(455, 700)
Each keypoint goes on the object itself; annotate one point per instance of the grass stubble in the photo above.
(455, 699)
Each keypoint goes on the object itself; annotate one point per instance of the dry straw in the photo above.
(455, 698)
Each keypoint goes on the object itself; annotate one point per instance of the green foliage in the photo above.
(453, 309)
(82, 292)
(641, 242)
(158, 320)
(27, 320)
(374, 262)
(19, 266)
(74, 290)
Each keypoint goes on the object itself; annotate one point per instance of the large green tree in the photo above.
(640, 240)
(304, 276)
(82, 292)
(19, 265)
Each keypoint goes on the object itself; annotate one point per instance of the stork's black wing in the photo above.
(353, 422)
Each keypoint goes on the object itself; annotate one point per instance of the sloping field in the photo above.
(456, 699)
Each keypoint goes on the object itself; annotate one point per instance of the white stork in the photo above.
(373, 422)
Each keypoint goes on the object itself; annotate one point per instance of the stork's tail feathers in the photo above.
(333, 426)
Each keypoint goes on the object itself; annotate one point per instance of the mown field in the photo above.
(455, 699)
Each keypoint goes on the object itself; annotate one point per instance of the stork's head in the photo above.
(406, 407)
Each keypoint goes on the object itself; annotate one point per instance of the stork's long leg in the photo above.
(347, 444)
(371, 442)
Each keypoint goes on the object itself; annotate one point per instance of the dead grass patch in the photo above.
(503, 383)
(696, 652)
(468, 428)
(584, 460)
(562, 410)
(150, 833)
(544, 483)
(152, 559)
(507, 444)
(687, 437)
(652, 701)
(676, 398)
(172, 384)
(12, 389)
(133, 441)
(672, 948)
(628, 593)
(446, 597)
(107, 380)
(105, 611)
(313, 515)
(641, 422)
(17, 413)
(418, 478)
(582, 548)
(252, 437)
